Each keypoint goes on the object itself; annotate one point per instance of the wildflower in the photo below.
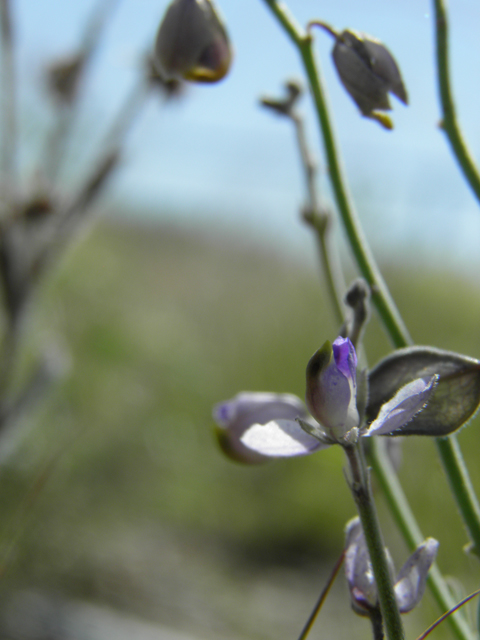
(409, 584)
(278, 426)
(192, 43)
(369, 73)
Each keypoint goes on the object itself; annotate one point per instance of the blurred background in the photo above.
(198, 279)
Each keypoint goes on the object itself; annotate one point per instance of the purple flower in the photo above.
(331, 394)
(256, 426)
(409, 584)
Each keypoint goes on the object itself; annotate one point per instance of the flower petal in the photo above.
(280, 439)
(412, 578)
(235, 416)
(331, 387)
(358, 569)
(404, 405)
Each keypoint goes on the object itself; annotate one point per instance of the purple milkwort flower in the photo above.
(192, 43)
(256, 426)
(409, 584)
(331, 394)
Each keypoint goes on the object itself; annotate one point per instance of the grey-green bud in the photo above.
(369, 73)
(192, 43)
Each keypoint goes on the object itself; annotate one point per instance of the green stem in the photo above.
(461, 486)
(376, 621)
(361, 491)
(403, 515)
(449, 118)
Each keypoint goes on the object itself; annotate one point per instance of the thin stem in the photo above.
(9, 121)
(320, 220)
(366, 263)
(323, 596)
(448, 613)
(361, 491)
(449, 117)
(405, 520)
(380, 295)
(376, 621)
(58, 137)
(458, 477)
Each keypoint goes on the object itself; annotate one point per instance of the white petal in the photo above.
(280, 439)
(412, 578)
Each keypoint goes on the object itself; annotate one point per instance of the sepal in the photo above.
(456, 397)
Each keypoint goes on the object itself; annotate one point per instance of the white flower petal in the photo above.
(280, 439)
(412, 578)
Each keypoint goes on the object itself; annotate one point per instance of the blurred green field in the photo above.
(160, 325)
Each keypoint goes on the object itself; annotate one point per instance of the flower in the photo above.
(332, 387)
(192, 43)
(276, 426)
(369, 73)
(409, 584)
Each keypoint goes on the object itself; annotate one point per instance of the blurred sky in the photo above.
(217, 157)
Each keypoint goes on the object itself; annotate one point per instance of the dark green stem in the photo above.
(449, 118)
(361, 491)
(377, 624)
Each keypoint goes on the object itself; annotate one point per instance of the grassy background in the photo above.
(139, 504)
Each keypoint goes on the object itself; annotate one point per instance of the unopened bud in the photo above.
(369, 73)
(331, 387)
(192, 43)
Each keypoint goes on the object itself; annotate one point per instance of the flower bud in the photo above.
(368, 72)
(235, 417)
(331, 387)
(192, 43)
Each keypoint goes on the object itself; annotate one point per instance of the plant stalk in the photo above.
(362, 494)
(449, 122)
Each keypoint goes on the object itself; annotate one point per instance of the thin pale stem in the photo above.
(323, 596)
(449, 118)
(320, 220)
(381, 297)
(57, 139)
(361, 491)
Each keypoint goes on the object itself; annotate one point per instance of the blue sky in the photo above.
(218, 158)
